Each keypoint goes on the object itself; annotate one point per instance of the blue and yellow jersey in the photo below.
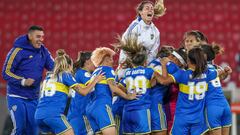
(118, 105)
(102, 90)
(79, 102)
(138, 80)
(54, 95)
(191, 98)
(159, 91)
(215, 92)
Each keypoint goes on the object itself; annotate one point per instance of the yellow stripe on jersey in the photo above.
(73, 85)
(185, 88)
(58, 87)
(81, 85)
(105, 81)
(158, 70)
(172, 78)
(9, 64)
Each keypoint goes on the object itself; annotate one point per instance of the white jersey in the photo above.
(148, 35)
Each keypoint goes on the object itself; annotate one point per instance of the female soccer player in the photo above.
(219, 121)
(136, 113)
(189, 116)
(193, 38)
(118, 104)
(143, 28)
(99, 109)
(83, 68)
(49, 114)
(159, 92)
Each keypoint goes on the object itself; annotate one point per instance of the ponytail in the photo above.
(61, 62)
(196, 56)
(82, 58)
(212, 50)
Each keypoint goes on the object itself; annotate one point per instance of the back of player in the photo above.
(189, 115)
(77, 114)
(219, 121)
(50, 110)
(215, 100)
(83, 67)
(99, 110)
(49, 114)
(136, 114)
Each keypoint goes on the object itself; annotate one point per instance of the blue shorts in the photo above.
(22, 114)
(182, 126)
(136, 121)
(220, 118)
(100, 117)
(117, 110)
(118, 121)
(80, 125)
(56, 125)
(158, 118)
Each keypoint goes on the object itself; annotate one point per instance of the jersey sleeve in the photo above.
(82, 77)
(156, 66)
(109, 73)
(150, 72)
(172, 67)
(130, 32)
(69, 80)
(14, 57)
(179, 76)
(49, 64)
(212, 74)
(154, 50)
(122, 82)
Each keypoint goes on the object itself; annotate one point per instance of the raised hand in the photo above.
(164, 61)
(228, 70)
(100, 77)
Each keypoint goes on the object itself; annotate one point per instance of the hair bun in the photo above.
(60, 52)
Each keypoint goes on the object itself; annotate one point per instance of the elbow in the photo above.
(79, 90)
(4, 75)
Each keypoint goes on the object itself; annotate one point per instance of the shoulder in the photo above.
(155, 29)
(155, 62)
(44, 49)
(149, 70)
(107, 68)
(133, 25)
(66, 74)
(16, 52)
(83, 73)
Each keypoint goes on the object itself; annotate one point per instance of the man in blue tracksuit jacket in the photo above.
(23, 69)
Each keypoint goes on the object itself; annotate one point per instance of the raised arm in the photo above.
(165, 78)
(113, 86)
(84, 90)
